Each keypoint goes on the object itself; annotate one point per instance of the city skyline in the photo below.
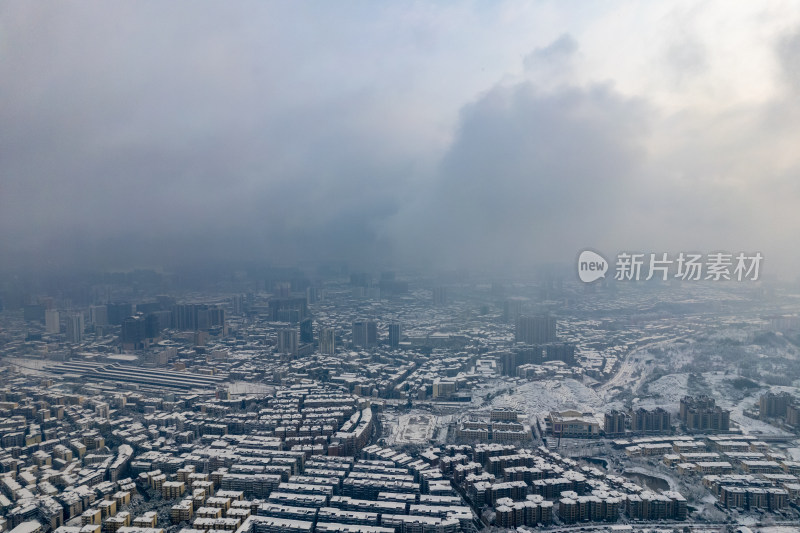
(399, 267)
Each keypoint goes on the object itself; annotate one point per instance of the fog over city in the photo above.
(399, 267)
(450, 135)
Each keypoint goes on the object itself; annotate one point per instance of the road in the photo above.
(627, 369)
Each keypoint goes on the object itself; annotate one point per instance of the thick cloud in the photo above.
(481, 135)
(536, 175)
(533, 176)
(789, 57)
(553, 60)
(135, 136)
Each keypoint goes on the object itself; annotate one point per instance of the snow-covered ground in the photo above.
(665, 392)
(636, 367)
(414, 428)
(724, 334)
(538, 398)
(794, 453)
(245, 387)
(751, 426)
(28, 366)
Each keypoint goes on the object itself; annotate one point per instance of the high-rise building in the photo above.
(439, 296)
(702, 413)
(614, 423)
(395, 332)
(238, 304)
(152, 325)
(75, 327)
(560, 351)
(529, 355)
(51, 323)
(183, 317)
(117, 312)
(793, 415)
(772, 404)
(282, 289)
(138, 328)
(134, 331)
(512, 309)
(651, 421)
(306, 331)
(784, 323)
(98, 315)
(288, 341)
(292, 310)
(209, 317)
(389, 285)
(197, 317)
(313, 294)
(164, 319)
(365, 333)
(148, 307)
(327, 341)
(535, 329)
(521, 355)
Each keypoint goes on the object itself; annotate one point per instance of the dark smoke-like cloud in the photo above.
(140, 135)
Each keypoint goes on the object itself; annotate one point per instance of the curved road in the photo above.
(628, 367)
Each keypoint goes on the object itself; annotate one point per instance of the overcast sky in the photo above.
(450, 134)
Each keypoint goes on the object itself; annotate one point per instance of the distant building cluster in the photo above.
(527, 487)
(281, 401)
(293, 461)
(639, 421)
(739, 464)
(535, 329)
(701, 413)
(537, 354)
(780, 405)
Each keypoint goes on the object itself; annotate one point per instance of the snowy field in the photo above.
(28, 366)
(538, 398)
(415, 428)
(794, 453)
(246, 388)
(716, 382)
(665, 392)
